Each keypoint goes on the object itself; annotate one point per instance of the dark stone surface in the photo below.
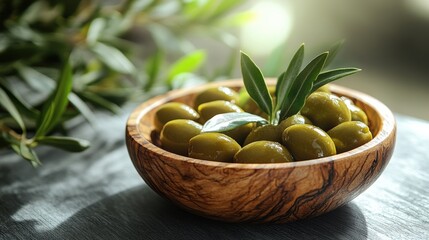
(98, 194)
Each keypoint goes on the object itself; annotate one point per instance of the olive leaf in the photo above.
(66, 143)
(188, 63)
(302, 86)
(23, 150)
(286, 79)
(99, 101)
(332, 75)
(20, 104)
(113, 58)
(227, 121)
(7, 104)
(255, 84)
(56, 104)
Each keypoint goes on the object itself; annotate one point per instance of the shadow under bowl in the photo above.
(261, 193)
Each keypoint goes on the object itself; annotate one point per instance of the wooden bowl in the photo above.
(278, 192)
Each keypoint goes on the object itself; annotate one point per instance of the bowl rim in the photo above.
(387, 127)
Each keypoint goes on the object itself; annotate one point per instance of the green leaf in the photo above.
(21, 105)
(332, 75)
(227, 121)
(100, 102)
(333, 51)
(188, 63)
(113, 58)
(82, 107)
(7, 104)
(286, 80)
(35, 79)
(255, 84)
(95, 30)
(302, 86)
(66, 143)
(55, 105)
(26, 152)
(152, 68)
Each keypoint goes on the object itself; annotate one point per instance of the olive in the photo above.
(240, 133)
(356, 112)
(349, 135)
(266, 132)
(263, 152)
(171, 111)
(325, 88)
(175, 135)
(210, 109)
(292, 120)
(325, 110)
(216, 93)
(213, 147)
(248, 104)
(305, 141)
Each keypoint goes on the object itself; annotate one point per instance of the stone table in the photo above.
(98, 194)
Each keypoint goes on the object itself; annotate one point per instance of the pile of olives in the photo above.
(326, 125)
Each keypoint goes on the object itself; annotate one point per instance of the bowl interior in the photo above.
(380, 119)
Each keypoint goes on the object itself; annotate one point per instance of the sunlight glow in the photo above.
(270, 27)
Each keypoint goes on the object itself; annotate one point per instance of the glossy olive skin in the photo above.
(175, 135)
(305, 141)
(171, 111)
(267, 132)
(357, 113)
(350, 135)
(325, 88)
(263, 152)
(213, 147)
(210, 109)
(325, 110)
(217, 93)
(292, 120)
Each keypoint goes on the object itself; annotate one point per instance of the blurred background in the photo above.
(63, 61)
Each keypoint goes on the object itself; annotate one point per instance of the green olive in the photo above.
(292, 120)
(213, 147)
(217, 93)
(349, 135)
(263, 152)
(325, 110)
(210, 109)
(305, 141)
(171, 111)
(325, 88)
(356, 112)
(248, 104)
(265, 132)
(175, 135)
(240, 133)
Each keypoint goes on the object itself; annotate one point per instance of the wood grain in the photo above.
(259, 192)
